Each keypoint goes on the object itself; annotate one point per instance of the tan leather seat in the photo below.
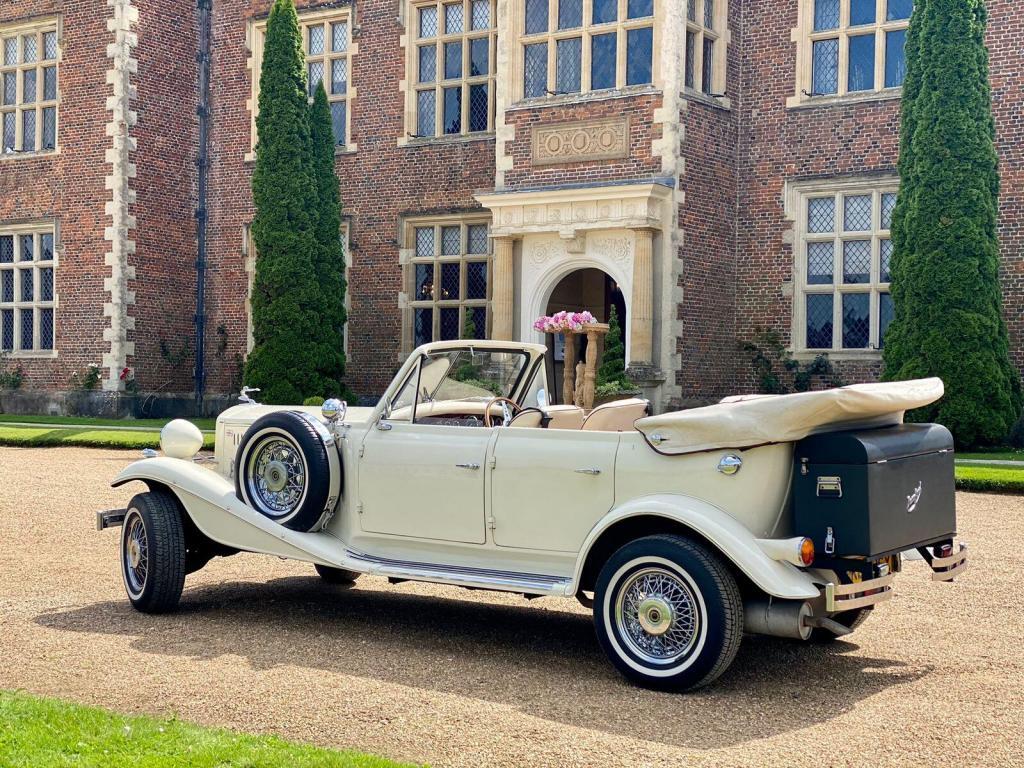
(531, 418)
(616, 416)
(564, 416)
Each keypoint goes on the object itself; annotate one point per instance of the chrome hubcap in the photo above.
(657, 615)
(276, 476)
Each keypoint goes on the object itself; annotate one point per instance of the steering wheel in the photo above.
(509, 408)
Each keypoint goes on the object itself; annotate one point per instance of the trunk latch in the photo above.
(830, 487)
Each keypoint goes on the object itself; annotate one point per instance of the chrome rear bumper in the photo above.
(848, 597)
(861, 594)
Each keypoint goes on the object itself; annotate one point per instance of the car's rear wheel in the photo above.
(668, 613)
(153, 552)
(335, 575)
(283, 470)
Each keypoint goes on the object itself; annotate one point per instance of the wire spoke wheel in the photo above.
(287, 468)
(657, 615)
(276, 475)
(135, 553)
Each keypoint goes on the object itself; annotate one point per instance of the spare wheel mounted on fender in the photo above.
(287, 468)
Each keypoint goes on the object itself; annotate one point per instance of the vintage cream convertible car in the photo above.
(781, 515)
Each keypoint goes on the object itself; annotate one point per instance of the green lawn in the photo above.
(44, 733)
(999, 455)
(989, 479)
(43, 436)
(85, 421)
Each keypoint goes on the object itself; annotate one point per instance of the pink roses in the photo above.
(563, 321)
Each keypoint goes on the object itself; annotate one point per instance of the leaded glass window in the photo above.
(454, 62)
(578, 46)
(28, 88)
(327, 49)
(449, 280)
(844, 268)
(854, 46)
(27, 289)
(327, 61)
(704, 50)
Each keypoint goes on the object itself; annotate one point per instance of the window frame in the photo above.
(585, 32)
(37, 305)
(805, 36)
(798, 199)
(256, 36)
(464, 258)
(17, 31)
(718, 35)
(413, 43)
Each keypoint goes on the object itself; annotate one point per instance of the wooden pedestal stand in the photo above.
(585, 398)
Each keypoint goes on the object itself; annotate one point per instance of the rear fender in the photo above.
(733, 541)
(209, 500)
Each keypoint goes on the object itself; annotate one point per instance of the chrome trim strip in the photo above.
(509, 581)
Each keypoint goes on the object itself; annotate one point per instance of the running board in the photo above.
(461, 576)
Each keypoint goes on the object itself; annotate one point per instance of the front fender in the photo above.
(725, 533)
(209, 499)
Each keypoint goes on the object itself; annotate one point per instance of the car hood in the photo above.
(247, 413)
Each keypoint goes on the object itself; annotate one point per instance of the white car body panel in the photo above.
(501, 508)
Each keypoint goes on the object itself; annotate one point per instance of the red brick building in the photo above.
(712, 168)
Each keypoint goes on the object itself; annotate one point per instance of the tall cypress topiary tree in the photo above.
(613, 362)
(289, 361)
(330, 266)
(945, 266)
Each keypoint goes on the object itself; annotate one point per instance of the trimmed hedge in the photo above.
(945, 265)
(297, 342)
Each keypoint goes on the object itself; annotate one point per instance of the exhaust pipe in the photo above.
(778, 618)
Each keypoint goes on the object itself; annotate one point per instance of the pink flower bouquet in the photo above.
(560, 322)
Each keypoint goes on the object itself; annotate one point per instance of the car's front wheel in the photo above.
(153, 552)
(668, 612)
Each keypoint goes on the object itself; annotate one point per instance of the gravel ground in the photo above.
(457, 678)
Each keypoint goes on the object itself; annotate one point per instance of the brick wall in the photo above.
(167, 136)
(68, 187)
(1005, 22)
(640, 164)
(707, 251)
(779, 144)
(380, 183)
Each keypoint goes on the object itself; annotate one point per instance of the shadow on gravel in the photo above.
(545, 663)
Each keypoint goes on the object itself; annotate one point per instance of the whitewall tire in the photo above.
(668, 613)
(286, 472)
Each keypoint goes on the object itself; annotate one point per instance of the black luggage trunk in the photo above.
(869, 493)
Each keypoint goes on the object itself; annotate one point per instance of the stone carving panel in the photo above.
(604, 139)
(614, 248)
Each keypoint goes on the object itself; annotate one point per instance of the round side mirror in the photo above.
(334, 409)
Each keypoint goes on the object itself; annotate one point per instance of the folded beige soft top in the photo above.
(745, 421)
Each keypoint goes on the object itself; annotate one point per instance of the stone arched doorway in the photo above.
(586, 289)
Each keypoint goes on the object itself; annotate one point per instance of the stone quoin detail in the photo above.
(118, 183)
(573, 142)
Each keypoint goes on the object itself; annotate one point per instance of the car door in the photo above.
(424, 481)
(550, 486)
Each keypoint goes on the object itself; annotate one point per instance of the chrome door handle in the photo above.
(470, 465)
(588, 471)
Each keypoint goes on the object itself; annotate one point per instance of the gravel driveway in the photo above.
(452, 677)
